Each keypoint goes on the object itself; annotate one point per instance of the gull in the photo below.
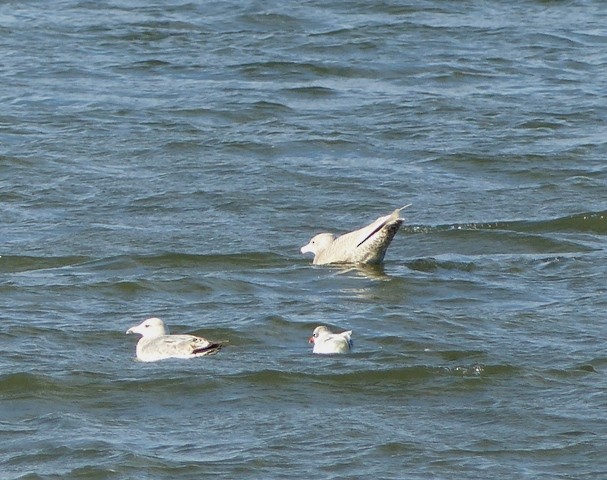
(367, 245)
(157, 344)
(325, 341)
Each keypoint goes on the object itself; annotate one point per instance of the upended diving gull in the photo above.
(367, 245)
(157, 344)
(325, 341)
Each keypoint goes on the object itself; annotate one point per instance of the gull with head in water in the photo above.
(325, 341)
(157, 344)
(367, 245)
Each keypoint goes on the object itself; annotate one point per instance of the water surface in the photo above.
(170, 159)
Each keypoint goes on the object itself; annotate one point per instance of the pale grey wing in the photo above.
(202, 346)
(165, 347)
(363, 234)
(343, 249)
(352, 242)
(177, 346)
(382, 222)
(373, 248)
(340, 251)
(348, 337)
(365, 245)
(339, 343)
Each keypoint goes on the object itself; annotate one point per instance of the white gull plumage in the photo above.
(325, 341)
(367, 245)
(157, 344)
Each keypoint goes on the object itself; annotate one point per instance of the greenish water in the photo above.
(169, 159)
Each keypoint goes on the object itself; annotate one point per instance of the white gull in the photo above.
(325, 341)
(367, 245)
(157, 344)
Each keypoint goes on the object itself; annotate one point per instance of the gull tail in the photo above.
(393, 218)
(396, 213)
(210, 349)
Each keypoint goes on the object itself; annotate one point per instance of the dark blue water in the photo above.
(170, 158)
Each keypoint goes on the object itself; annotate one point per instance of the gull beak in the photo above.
(311, 340)
(306, 249)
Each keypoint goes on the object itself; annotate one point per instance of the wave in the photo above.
(588, 222)
(371, 376)
(352, 374)
(430, 264)
(17, 264)
(23, 384)
(525, 231)
(585, 222)
(82, 384)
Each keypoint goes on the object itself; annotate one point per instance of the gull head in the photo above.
(150, 328)
(319, 332)
(320, 242)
